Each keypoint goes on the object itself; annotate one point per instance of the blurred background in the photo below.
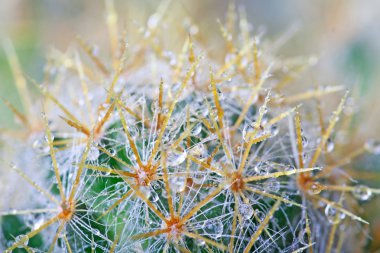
(344, 34)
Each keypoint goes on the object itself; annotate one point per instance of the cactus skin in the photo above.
(207, 159)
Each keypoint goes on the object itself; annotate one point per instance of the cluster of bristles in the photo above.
(213, 157)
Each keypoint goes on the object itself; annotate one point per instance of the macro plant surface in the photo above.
(149, 150)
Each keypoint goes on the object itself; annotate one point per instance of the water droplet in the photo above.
(154, 196)
(213, 228)
(200, 242)
(145, 190)
(40, 145)
(203, 111)
(177, 159)
(274, 130)
(199, 151)
(303, 237)
(23, 240)
(141, 100)
(305, 141)
(373, 146)
(133, 131)
(315, 188)
(120, 187)
(177, 184)
(112, 152)
(260, 214)
(155, 108)
(156, 185)
(130, 154)
(37, 144)
(247, 131)
(332, 215)
(261, 169)
(272, 185)
(93, 154)
(96, 232)
(197, 129)
(34, 221)
(153, 21)
(289, 204)
(246, 211)
(93, 246)
(220, 94)
(198, 177)
(263, 110)
(362, 192)
(330, 145)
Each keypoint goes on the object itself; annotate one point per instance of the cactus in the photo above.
(212, 157)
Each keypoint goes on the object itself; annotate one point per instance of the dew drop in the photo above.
(220, 94)
(247, 132)
(156, 185)
(93, 154)
(261, 169)
(274, 130)
(177, 184)
(141, 100)
(93, 246)
(332, 215)
(362, 192)
(196, 130)
(315, 188)
(175, 87)
(272, 185)
(330, 145)
(373, 146)
(133, 131)
(263, 110)
(40, 146)
(155, 107)
(229, 57)
(200, 242)
(120, 187)
(154, 196)
(23, 240)
(303, 237)
(145, 190)
(260, 214)
(177, 159)
(213, 228)
(246, 211)
(199, 178)
(37, 144)
(288, 204)
(305, 141)
(199, 151)
(96, 232)
(38, 223)
(130, 154)
(112, 152)
(203, 111)
(153, 21)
